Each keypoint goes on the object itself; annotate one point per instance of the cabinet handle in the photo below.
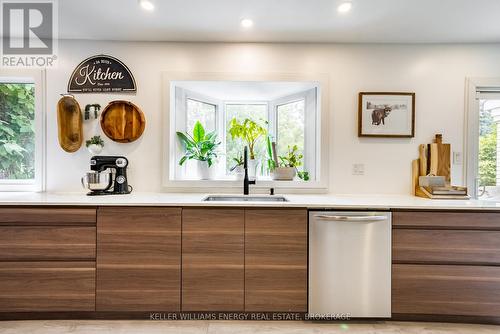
(351, 218)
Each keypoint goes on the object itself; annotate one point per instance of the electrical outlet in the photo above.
(358, 169)
(457, 158)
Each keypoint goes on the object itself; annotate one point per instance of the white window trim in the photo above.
(181, 96)
(471, 128)
(170, 184)
(310, 125)
(38, 77)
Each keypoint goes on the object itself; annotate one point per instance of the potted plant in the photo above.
(250, 132)
(237, 169)
(200, 146)
(287, 168)
(94, 145)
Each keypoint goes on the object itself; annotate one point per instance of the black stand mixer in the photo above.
(101, 180)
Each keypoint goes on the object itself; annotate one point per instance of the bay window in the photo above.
(285, 113)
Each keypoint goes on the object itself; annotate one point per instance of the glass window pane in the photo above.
(200, 111)
(489, 121)
(290, 119)
(234, 148)
(17, 134)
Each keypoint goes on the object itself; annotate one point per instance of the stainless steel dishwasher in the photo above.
(349, 264)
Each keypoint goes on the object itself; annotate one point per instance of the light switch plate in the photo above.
(457, 158)
(358, 169)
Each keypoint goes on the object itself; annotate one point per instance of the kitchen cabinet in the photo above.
(138, 259)
(213, 259)
(276, 260)
(47, 286)
(446, 263)
(47, 259)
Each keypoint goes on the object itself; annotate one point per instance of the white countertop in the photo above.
(194, 199)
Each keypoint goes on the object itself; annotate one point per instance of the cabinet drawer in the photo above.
(47, 286)
(48, 215)
(446, 246)
(448, 220)
(445, 290)
(47, 243)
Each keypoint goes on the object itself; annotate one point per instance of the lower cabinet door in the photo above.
(276, 260)
(212, 259)
(138, 259)
(446, 290)
(47, 286)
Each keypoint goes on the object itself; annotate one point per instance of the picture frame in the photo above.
(386, 114)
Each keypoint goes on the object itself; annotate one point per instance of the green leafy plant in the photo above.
(200, 145)
(238, 162)
(294, 159)
(271, 164)
(249, 131)
(17, 134)
(95, 140)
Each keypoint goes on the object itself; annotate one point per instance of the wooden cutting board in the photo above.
(69, 124)
(122, 121)
(422, 158)
(439, 157)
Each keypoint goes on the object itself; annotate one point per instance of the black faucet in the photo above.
(246, 181)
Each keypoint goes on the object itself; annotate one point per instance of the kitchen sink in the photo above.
(243, 198)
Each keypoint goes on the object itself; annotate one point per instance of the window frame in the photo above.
(310, 126)
(37, 77)
(321, 184)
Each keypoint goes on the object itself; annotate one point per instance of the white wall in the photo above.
(436, 73)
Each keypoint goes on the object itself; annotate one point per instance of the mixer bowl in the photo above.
(96, 180)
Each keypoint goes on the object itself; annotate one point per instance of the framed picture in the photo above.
(386, 115)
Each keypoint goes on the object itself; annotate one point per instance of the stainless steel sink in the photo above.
(243, 198)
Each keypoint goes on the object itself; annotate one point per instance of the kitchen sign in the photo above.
(101, 74)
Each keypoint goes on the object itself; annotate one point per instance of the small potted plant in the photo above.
(288, 165)
(202, 147)
(250, 132)
(95, 145)
(237, 169)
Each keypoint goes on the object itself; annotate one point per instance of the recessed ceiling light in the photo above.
(246, 23)
(147, 5)
(344, 7)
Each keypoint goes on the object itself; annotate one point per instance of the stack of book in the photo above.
(445, 192)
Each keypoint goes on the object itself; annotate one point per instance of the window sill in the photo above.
(262, 185)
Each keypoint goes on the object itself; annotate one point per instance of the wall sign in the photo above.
(101, 74)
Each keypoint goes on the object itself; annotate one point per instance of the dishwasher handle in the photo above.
(350, 218)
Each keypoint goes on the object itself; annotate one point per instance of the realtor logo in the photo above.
(28, 33)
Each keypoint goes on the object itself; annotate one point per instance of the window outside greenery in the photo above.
(234, 148)
(200, 111)
(17, 135)
(291, 127)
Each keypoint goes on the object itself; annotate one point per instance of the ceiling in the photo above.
(246, 90)
(369, 21)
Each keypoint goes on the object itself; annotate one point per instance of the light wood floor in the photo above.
(235, 327)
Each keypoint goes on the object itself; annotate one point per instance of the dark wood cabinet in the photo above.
(138, 259)
(213, 259)
(276, 260)
(446, 264)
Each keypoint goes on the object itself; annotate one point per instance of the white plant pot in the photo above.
(252, 168)
(283, 173)
(204, 172)
(239, 172)
(94, 149)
